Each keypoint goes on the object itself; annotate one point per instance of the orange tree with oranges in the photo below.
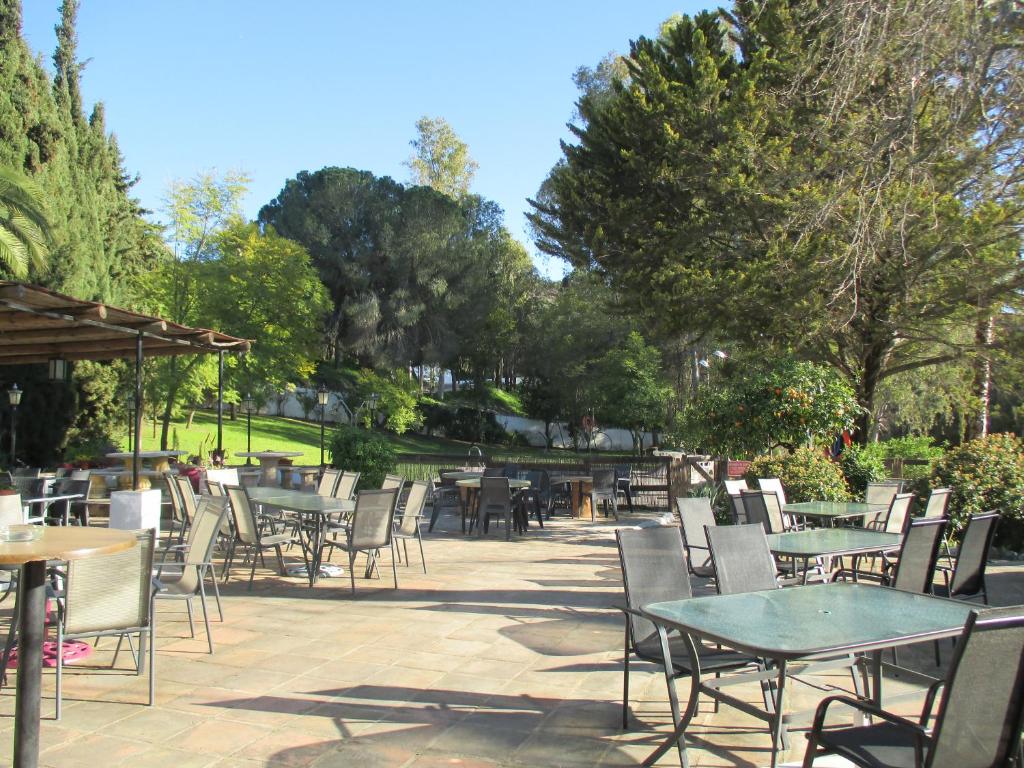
(753, 406)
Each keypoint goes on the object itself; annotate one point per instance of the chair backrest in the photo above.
(540, 483)
(773, 485)
(495, 495)
(899, 513)
(882, 491)
(494, 472)
(372, 519)
(413, 510)
(733, 487)
(739, 512)
(227, 476)
(111, 592)
(776, 518)
(68, 486)
(969, 573)
(511, 471)
(346, 487)
(604, 480)
(216, 489)
(623, 472)
(210, 515)
(918, 554)
(654, 569)
(392, 481)
(742, 560)
(27, 471)
(241, 512)
(696, 514)
(11, 511)
(177, 508)
(187, 496)
(29, 486)
(757, 510)
(328, 482)
(982, 708)
(80, 474)
(938, 502)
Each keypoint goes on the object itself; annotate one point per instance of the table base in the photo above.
(327, 570)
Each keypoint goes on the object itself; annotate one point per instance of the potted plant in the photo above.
(7, 487)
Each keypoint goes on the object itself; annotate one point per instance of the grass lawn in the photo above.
(275, 433)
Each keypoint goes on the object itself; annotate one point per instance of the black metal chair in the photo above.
(915, 570)
(758, 511)
(654, 569)
(494, 500)
(624, 483)
(741, 558)
(979, 718)
(696, 514)
(966, 580)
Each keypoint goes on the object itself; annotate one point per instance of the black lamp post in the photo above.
(247, 403)
(14, 398)
(321, 398)
(130, 401)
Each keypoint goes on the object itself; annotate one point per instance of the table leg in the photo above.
(779, 723)
(678, 736)
(32, 607)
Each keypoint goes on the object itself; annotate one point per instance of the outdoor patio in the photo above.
(506, 653)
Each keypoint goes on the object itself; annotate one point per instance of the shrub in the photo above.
(909, 448)
(861, 466)
(359, 450)
(986, 474)
(462, 422)
(762, 405)
(806, 474)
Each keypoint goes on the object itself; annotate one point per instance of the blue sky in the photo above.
(274, 88)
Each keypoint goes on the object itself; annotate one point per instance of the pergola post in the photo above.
(136, 449)
(220, 404)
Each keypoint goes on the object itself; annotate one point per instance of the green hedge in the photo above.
(806, 474)
(363, 451)
(986, 474)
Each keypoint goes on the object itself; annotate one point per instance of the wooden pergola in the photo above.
(38, 325)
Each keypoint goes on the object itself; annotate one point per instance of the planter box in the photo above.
(132, 510)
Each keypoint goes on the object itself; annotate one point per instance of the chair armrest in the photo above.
(868, 708)
(929, 701)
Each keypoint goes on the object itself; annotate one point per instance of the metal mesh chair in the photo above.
(880, 492)
(696, 514)
(392, 481)
(111, 595)
(741, 558)
(179, 518)
(493, 500)
(758, 511)
(215, 488)
(624, 483)
(966, 580)
(71, 511)
(915, 569)
(979, 718)
(346, 487)
(328, 481)
(654, 569)
(249, 534)
(538, 494)
(604, 489)
(370, 530)
(408, 525)
(190, 581)
(445, 493)
(938, 502)
(773, 485)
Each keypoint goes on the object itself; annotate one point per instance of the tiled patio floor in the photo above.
(506, 653)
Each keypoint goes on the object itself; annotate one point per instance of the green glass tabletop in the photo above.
(823, 619)
(467, 475)
(299, 501)
(832, 509)
(831, 541)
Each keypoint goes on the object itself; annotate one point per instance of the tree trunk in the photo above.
(191, 418)
(984, 335)
(867, 387)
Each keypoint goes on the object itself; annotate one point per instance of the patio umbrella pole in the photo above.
(220, 404)
(138, 412)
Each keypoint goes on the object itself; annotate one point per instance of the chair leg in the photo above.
(152, 655)
(394, 565)
(206, 615)
(60, 666)
(352, 570)
(423, 558)
(191, 622)
(625, 678)
(216, 595)
(252, 570)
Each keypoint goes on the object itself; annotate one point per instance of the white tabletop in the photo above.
(269, 454)
(146, 454)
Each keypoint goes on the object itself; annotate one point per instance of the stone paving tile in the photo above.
(505, 654)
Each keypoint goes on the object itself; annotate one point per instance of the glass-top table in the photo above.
(828, 543)
(827, 512)
(314, 510)
(800, 624)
